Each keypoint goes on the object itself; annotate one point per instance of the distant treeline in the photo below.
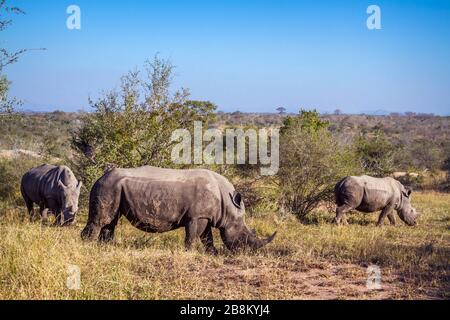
(424, 139)
(315, 150)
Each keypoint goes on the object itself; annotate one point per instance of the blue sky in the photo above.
(251, 56)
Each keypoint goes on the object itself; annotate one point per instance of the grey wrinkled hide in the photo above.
(53, 189)
(367, 194)
(159, 200)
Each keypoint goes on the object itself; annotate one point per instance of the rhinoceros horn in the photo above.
(256, 243)
(244, 238)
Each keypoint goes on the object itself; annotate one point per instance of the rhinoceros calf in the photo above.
(52, 188)
(367, 194)
(159, 200)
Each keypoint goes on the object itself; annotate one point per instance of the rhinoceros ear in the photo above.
(407, 192)
(61, 185)
(236, 198)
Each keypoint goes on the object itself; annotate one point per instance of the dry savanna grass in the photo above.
(309, 260)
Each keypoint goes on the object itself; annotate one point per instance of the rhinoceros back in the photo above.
(365, 193)
(155, 199)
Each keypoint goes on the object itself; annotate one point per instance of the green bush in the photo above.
(11, 172)
(375, 154)
(133, 127)
(8, 179)
(311, 163)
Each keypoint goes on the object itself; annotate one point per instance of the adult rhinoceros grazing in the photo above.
(367, 194)
(159, 200)
(53, 188)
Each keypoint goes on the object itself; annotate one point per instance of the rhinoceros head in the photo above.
(69, 202)
(235, 234)
(407, 213)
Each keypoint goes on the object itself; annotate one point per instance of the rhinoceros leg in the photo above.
(44, 214)
(206, 235)
(340, 212)
(191, 233)
(30, 208)
(34, 216)
(107, 232)
(102, 220)
(58, 218)
(90, 231)
(28, 202)
(391, 218)
(29, 205)
(386, 212)
(200, 228)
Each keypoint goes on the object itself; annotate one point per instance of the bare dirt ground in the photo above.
(323, 281)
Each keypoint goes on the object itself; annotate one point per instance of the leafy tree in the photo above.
(428, 157)
(309, 121)
(420, 154)
(11, 172)
(312, 162)
(281, 111)
(376, 154)
(7, 58)
(4, 85)
(7, 104)
(133, 126)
